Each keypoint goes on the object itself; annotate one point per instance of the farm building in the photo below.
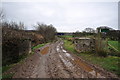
(103, 29)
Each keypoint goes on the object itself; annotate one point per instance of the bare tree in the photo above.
(21, 26)
(89, 30)
(13, 25)
(1, 15)
(47, 31)
(1, 18)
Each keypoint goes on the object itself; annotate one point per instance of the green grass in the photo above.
(19, 60)
(69, 46)
(109, 63)
(5, 68)
(38, 46)
(66, 36)
(7, 76)
(115, 44)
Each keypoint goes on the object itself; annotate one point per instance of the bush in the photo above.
(102, 53)
(11, 49)
(47, 31)
(101, 46)
(16, 43)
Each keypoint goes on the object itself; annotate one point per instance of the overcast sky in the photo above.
(67, 16)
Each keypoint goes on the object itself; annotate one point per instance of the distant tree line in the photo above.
(89, 30)
(13, 25)
(86, 32)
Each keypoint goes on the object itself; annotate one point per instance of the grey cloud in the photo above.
(70, 16)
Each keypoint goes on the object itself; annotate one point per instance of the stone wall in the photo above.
(84, 44)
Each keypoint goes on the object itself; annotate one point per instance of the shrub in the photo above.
(101, 46)
(16, 43)
(102, 53)
(47, 31)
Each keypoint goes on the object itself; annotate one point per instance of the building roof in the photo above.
(105, 27)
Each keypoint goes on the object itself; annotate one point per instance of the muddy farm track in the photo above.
(53, 61)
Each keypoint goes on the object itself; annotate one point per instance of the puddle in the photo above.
(68, 55)
(67, 63)
(57, 49)
(61, 47)
(64, 50)
(44, 51)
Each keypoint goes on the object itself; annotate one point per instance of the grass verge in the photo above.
(69, 46)
(7, 67)
(109, 63)
(115, 44)
(7, 76)
(38, 46)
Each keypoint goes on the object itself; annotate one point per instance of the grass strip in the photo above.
(109, 63)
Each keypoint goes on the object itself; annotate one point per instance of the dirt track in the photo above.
(53, 61)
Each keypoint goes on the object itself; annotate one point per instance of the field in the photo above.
(115, 45)
(109, 63)
(66, 36)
